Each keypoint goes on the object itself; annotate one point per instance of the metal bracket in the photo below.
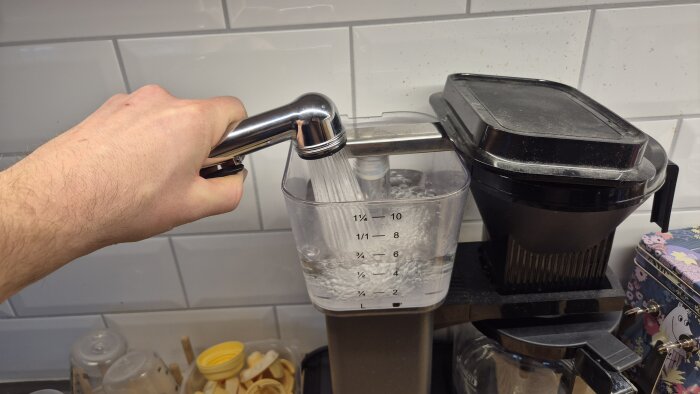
(599, 378)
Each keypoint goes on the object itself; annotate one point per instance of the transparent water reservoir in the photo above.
(387, 249)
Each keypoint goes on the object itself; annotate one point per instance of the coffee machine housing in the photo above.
(554, 173)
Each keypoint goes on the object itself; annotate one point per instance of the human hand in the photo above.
(128, 171)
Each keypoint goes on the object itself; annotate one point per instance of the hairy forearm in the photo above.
(37, 234)
(127, 172)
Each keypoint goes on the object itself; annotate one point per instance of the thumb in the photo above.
(222, 194)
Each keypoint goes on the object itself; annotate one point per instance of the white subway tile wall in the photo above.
(60, 59)
(124, 277)
(240, 269)
(512, 5)
(162, 331)
(472, 231)
(263, 69)
(51, 19)
(244, 13)
(687, 156)
(47, 88)
(302, 324)
(39, 348)
(6, 310)
(471, 212)
(645, 61)
(8, 160)
(398, 66)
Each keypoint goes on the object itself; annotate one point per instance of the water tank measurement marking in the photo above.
(362, 274)
(361, 255)
(362, 217)
(365, 236)
(387, 276)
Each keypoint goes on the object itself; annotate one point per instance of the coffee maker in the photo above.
(552, 173)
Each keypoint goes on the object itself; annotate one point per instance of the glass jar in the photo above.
(483, 366)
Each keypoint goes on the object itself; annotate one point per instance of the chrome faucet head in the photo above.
(312, 122)
(320, 133)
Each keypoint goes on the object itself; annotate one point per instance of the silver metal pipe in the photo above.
(396, 139)
(312, 122)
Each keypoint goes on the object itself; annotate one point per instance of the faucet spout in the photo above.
(311, 121)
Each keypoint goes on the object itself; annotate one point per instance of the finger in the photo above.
(219, 195)
(226, 111)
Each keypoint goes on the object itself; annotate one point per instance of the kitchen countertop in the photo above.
(28, 387)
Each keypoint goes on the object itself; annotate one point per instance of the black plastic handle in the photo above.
(229, 167)
(663, 198)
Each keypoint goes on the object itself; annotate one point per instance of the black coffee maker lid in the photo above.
(545, 131)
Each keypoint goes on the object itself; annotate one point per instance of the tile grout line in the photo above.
(104, 320)
(270, 231)
(660, 117)
(300, 27)
(629, 119)
(5, 154)
(469, 7)
(586, 46)
(224, 8)
(122, 68)
(184, 310)
(277, 322)
(263, 231)
(179, 272)
(676, 210)
(353, 83)
(674, 140)
(545, 10)
(113, 37)
(258, 205)
(288, 230)
(12, 307)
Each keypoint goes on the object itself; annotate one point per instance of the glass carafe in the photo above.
(483, 366)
